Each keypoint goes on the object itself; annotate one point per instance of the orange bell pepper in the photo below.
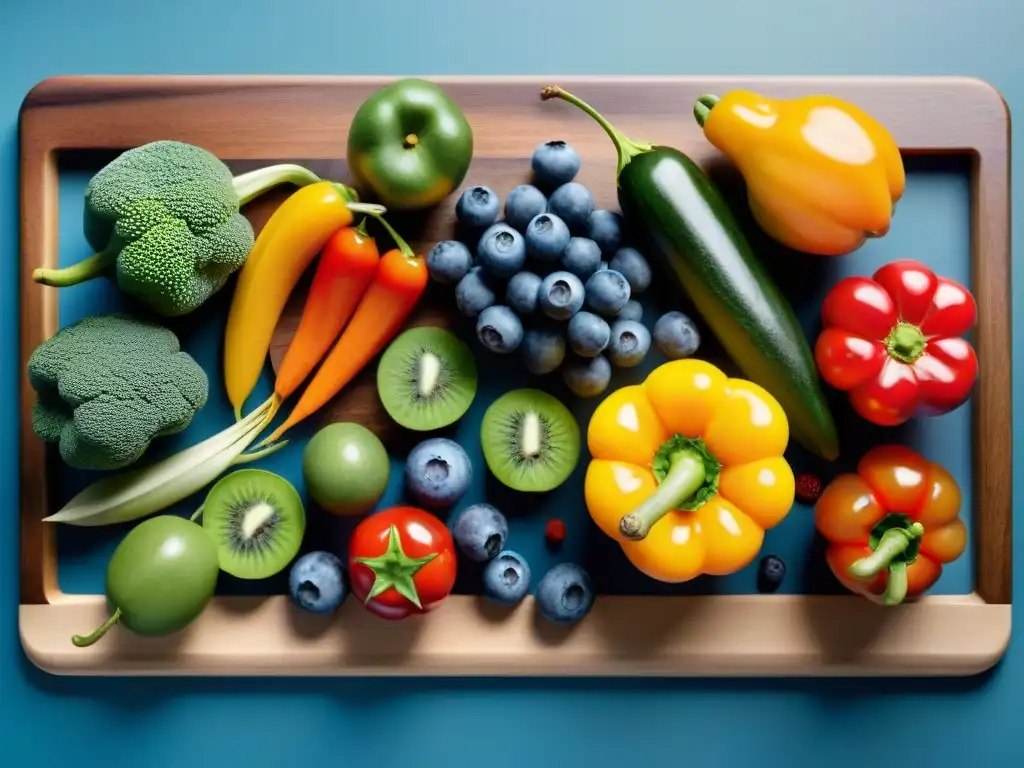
(822, 175)
(892, 525)
(687, 470)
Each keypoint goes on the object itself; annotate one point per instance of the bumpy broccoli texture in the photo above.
(170, 213)
(165, 217)
(108, 385)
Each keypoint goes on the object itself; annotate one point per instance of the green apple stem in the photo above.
(87, 640)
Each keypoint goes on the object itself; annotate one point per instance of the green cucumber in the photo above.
(701, 247)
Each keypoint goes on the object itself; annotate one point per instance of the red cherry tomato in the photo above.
(401, 561)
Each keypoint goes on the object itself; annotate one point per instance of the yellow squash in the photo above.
(822, 175)
(687, 471)
(286, 245)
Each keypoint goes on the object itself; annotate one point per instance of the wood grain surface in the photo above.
(257, 120)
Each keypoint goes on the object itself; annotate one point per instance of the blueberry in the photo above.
(507, 578)
(582, 257)
(770, 573)
(449, 261)
(501, 250)
(480, 532)
(605, 229)
(561, 295)
(602, 266)
(474, 293)
(631, 311)
(676, 336)
(587, 377)
(588, 334)
(521, 293)
(318, 582)
(607, 292)
(629, 343)
(554, 163)
(477, 207)
(634, 267)
(524, 203)
(542, 350)
(499, 329)
(546, 237)
(565, 594)
(572, 203)
(437, 472)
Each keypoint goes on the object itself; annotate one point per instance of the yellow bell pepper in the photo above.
(822, 175)
(687, 471)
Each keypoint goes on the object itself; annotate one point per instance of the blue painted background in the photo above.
(45, 720)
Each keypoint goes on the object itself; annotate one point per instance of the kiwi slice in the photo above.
(426, 379)
(531, 441)
(257, 521)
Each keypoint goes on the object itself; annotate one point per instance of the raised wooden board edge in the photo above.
(748, 635)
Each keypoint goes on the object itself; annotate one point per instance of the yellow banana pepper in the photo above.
(687, 471)
(822, 175)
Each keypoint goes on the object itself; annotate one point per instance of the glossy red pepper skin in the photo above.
(893, 343)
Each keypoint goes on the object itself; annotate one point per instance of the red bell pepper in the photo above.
(892, 342)
(892, 525)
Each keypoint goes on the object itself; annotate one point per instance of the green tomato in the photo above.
(346, 468)
(410, 145)
(160, 578)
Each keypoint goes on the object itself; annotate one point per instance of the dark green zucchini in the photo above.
(701, 246)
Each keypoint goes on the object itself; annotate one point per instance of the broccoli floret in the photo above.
(108, 385)
(164, 219)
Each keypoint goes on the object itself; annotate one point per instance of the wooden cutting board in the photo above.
(258, 120)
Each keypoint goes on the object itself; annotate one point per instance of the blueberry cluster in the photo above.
(555, 279)
(564, 594)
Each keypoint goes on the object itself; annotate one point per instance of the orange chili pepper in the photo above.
(347, 265)
(892, 525)
(396, 288)
(822, 174)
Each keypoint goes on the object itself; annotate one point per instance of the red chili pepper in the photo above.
(347, 265)
(892, 342)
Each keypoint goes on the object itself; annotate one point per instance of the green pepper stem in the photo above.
(88, 640)
(86, 269)
(361, 227)
(402, 245)
(905, 342)
(896, 584)
(626, 148)
(894, 542)
(248, 186)
(703, 106)
(685, 477)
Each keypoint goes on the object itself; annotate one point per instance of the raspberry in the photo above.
(808, 488)
(554, 531)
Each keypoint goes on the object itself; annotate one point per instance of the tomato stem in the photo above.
(905, 342)
(688, 476)
(395, 570)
